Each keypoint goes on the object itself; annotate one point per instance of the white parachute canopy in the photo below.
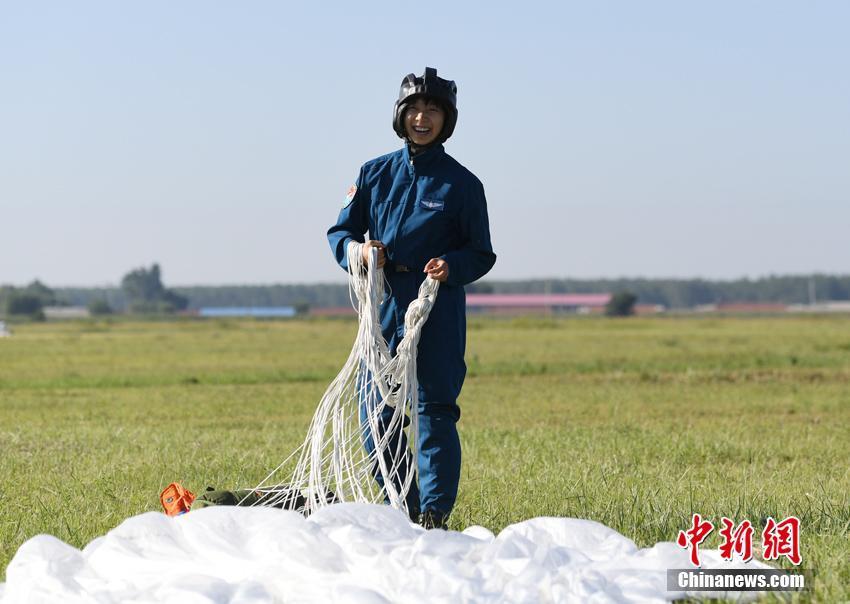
(358, 438)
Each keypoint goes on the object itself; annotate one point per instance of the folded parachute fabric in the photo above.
(347, 552)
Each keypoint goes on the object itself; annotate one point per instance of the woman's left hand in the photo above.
(438, 269)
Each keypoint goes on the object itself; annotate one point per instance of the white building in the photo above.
(66, 312)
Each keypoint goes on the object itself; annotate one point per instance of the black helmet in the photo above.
(431, 87)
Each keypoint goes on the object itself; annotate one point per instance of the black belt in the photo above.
(400, 268)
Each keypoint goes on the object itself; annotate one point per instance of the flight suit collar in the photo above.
(426, 157)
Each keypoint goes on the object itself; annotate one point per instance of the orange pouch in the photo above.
(176, 500)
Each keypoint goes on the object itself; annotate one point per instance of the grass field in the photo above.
(635, 423)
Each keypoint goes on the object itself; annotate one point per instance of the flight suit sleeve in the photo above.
(475, 258)
(352, 223)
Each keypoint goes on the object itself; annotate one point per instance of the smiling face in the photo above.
(423, 121)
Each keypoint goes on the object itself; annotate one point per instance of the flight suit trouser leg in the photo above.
(439, 456)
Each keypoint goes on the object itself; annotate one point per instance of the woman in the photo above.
(427, 216)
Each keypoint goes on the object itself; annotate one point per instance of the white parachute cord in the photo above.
(332, 464)
(306, 466)
(402, 370)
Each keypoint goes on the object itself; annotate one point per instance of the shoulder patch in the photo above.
(349, 197)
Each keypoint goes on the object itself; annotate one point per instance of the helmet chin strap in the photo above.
(415, 149)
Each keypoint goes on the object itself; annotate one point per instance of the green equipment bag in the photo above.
(212, 497)
(246, 497)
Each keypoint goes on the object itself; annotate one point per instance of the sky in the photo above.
(613, 138)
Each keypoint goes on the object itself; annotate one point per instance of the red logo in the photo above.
(694, 536)
(778, 539)
(739, 541)
(782, 539)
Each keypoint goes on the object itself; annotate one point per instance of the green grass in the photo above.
(634, 423)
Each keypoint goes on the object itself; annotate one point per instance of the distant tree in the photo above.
(5, 292)
(621, 304)
(146, 294)
(99, 307)
(302, 308)
(480, 288)
(21, 303)
(143, 284)
(42, 292)
(172, 301)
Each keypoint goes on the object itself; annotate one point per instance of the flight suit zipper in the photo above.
(406, 210)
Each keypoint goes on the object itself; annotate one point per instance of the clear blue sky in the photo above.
(613, 138)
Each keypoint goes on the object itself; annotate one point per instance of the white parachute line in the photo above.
(332, 464)
(352, 438)
(300, 449)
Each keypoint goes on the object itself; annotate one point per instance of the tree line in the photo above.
(687, 293)
(142, 291)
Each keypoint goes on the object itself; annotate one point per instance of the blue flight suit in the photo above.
(424, 207)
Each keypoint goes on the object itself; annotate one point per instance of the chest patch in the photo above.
(433, 204)
(349, 197)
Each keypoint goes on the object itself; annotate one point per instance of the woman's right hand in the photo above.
(382, 257)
